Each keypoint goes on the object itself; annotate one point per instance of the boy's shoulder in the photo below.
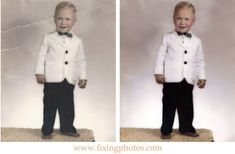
(52, 33)
(194, 36)
(76, 36)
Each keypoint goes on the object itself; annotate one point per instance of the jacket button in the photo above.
(66, 51)
(185, 62)
(185, 52)
(66, 63)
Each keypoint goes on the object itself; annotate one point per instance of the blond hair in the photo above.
(182, 5)
(63, 5)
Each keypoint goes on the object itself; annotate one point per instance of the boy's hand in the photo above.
(82, 83)
(40, 78)
(201, 83)
(160, 79)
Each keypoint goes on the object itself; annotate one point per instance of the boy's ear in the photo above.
(54, 19)
(75, 18)
(173, 19)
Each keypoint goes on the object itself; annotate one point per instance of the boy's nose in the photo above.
(62, 21)
(182, 22)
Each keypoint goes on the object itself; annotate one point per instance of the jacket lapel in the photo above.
(70, 44)
(177, 39)
(56, 36)
(190, 41)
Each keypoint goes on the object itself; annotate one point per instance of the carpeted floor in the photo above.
(153, 135)
(34, 135)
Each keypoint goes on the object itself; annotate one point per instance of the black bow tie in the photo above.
(66, 34)
(185, 34)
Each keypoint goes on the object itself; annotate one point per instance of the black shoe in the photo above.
(46, 137)
(190, 134)
(71, 134)
(168, 136)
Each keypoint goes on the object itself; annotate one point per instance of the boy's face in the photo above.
(65, 20)
(183, 20)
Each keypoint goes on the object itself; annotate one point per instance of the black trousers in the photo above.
(177, 96)
(58, 96)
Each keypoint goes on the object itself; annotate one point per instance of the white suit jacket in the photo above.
(177, 60)
(59, 61)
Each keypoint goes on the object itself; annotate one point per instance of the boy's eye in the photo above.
(180, 18)
(59, 18)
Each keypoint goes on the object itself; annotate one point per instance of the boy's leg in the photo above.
(50, 106)
(169, 107)
(185, 108)
(66, 108)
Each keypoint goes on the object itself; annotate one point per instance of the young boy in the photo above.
(179, 65)
(61, 62)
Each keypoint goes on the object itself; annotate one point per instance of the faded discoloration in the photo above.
(34, 135)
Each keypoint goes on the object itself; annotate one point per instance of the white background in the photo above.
(143, 23)
(126, 120)
(23, 25)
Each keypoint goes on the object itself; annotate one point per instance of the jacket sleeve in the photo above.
(200, 63)
(40, 65)
(81, 62)
(159, 66)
